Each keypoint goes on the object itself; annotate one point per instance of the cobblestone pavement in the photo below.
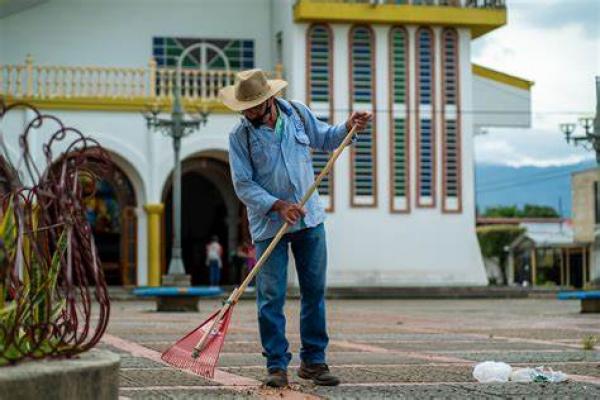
(382, 349)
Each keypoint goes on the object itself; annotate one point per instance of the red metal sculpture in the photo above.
(53, 296)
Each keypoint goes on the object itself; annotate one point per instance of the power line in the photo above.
(528, 182)
(438, 111)
(540, 174)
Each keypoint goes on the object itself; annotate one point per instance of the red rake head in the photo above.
(180, 354)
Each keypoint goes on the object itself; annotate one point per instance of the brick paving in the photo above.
(394, 349)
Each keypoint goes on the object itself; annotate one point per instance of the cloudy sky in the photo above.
(556, 44)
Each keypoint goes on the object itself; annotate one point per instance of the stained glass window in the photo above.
(399, 172)
(362, 78)
(320, 96)
(239, 52)
(425, 118)
(450, 123)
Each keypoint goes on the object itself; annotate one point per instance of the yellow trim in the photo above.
(479, 20)
(154, 212)
(134, 104)
(501, 77)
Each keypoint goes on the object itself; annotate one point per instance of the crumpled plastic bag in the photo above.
(492, 371)
(537, 374)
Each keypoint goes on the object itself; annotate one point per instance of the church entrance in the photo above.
(209, 208)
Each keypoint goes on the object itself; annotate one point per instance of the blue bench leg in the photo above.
(590, 305)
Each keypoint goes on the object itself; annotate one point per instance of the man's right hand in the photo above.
(290, 212)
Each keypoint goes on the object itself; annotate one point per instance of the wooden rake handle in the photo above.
(237, 292)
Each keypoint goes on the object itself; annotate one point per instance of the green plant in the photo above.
(589, 342)
(37, 306)
(493, 240)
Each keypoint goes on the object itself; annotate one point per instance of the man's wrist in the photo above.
(278, 205)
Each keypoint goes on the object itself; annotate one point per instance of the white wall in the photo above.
(371, 246)
(119, 33)
(499, 105)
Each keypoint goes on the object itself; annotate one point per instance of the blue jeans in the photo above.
(215, 272)
(310, 252)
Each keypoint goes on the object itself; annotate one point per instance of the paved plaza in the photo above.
(394, 349)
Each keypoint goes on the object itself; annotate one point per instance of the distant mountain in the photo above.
(502, 185)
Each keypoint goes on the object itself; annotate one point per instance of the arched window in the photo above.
(399, 121)
(363, 183)
(425, 118)
(319, 96)
(451, 143)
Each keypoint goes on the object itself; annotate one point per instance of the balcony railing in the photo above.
(448, 3)
(111, 84)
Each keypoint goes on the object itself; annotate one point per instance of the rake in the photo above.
(199, 350)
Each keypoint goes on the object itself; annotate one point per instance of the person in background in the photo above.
(250, 252)
(214, 252)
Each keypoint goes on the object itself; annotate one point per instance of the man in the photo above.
(271, 169)
(214, 252)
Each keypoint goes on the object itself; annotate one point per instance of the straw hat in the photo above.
(250, 89)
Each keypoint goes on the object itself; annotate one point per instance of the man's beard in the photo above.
(258, 121)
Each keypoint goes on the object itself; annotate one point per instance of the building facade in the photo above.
(548, 255)
(585, 188)
(400, 202)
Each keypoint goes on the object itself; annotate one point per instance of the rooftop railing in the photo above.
(47, 82)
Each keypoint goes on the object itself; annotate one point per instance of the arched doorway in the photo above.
(111, 213)
(209, 207)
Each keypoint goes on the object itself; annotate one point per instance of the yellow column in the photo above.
(154, 212)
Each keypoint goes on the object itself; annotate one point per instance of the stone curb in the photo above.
(90, 375)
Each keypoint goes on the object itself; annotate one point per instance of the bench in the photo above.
(174, 298)
(590, 299)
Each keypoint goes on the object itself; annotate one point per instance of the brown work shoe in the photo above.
(277, 378)
(319, 373)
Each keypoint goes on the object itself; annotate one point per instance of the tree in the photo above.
(501, 212)
(493, 239)
(535, 211)
(528, 211)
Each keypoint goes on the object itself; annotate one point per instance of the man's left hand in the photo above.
(360, 119)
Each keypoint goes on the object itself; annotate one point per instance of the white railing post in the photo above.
(170, 82)
(9, 69)
(195, 85)
(29, 71)
(48, 83)
(82, 82)
(152, 78)
(74, 81)
(19, 80)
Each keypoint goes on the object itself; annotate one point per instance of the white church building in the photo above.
(401, 202)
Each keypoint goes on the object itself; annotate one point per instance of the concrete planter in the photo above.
(91, 375)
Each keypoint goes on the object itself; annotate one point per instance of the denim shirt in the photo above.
(282, 167)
